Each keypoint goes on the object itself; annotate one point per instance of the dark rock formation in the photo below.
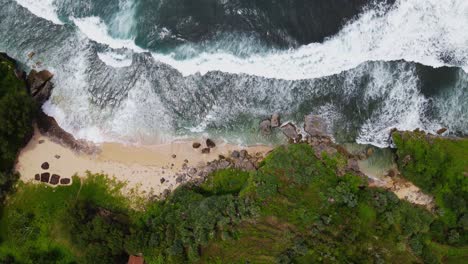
(54, 180)
(39, 85)
(210, 143)
(65, 181)
(196, 145)
(37, 177)
(441, 131)
(45, 177)
(206, 150)
(48, 126)
(45, 166)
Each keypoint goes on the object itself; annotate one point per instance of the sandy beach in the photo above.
(142, 167)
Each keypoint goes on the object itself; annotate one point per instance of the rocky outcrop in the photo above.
(290, 131)
(48, 126)
(315, 126)
(39, 85)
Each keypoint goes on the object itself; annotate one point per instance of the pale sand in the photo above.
(142, 167)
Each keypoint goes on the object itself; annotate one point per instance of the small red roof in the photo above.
(136, 260)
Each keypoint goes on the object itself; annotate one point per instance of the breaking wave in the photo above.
(371, 76)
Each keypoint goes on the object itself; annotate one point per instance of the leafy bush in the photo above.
(439, 167)
(16, 115)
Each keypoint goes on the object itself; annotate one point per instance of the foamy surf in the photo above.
(42, 8)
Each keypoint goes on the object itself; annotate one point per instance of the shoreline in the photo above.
(147, 170)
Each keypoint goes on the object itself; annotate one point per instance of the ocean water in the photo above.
(148, 71)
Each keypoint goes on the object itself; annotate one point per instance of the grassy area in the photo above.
(440, 167)
(48, 225)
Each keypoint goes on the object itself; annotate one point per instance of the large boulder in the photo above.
(315, 126)
(290, 131)
(39, 85)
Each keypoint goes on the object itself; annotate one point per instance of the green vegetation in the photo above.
(294, 209)
(80, 223)
(439, 166)
(16, 115)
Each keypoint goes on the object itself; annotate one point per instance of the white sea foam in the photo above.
(424, 31)
(42, 8)
(114, 59)
(95, 29)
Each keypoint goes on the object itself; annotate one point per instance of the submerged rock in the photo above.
(265, 127)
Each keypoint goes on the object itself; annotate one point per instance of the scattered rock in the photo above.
(223, 164)
(235, 154)
(210, 143)
(37, 177)
(45, 166)
(290, 131)
(265, 127)
(192, 171)
(45, 177)
(245, 165)
(196, 145)
(54, 180)
(31, 54)
(41, 141)
(174, 156)
(162, 180)
(221, 157)
(57, 156)
(206, 150)
(185, 160)
(65, 181)
(315, 126)
(275, 120)
(441, 131)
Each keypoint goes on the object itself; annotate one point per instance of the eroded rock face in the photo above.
(315, 126)
(39, 85)
(290, 131)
